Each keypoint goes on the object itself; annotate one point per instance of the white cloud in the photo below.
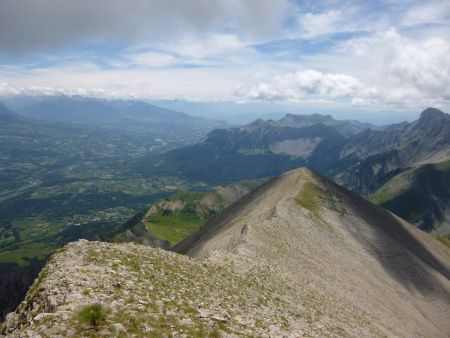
(384, 69)
(298, 85)
(9, 90)
(265, 91)
(431, 12)
(149, 59)
(201, 48)
(6, 90)
(406, 71)
(204, 83)
(316, 83)
(316, 24)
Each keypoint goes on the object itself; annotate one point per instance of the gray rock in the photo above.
(12, 320)
(118, 328)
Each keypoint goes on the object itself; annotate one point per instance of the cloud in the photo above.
(7, 90)
(392, 53)
(203, 83)
(304, 83)
(149, 59)
(406, 70)
(316, 24)
(432, 12)
(384, 69)
(316, 83)
(261, 19)
(30, 25)
(211, 46)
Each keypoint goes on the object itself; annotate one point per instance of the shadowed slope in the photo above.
(419, 195)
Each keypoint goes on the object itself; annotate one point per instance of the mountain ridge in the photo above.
(266, 148)
(300, 254)
(130, 115)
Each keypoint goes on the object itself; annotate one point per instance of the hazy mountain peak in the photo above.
(6, 114)
(4, 109)
(259, 123)
(431, 113)
(434, 123)
(313, 118)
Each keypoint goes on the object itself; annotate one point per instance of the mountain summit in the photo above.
(298, 256)
(328, 242)
(431, 113)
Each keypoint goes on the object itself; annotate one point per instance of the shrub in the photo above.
(92, 314)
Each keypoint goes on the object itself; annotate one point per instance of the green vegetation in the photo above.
(173, 224)
(419, 195)
(395, 186)
(444, 240)
(61, 183)
(188, 197)
(37, 284)
(309, 198)
(92, 314)
(174, 227)
(442, 166)
(171, 305)
(177, 217)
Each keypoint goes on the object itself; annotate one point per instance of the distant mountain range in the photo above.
(352, 153)
(357, 155)
(129, 115)
(380, 154)
(345, 127)
(348, 151)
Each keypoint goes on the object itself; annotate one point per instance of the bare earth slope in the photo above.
(299, 256)
(361, 261)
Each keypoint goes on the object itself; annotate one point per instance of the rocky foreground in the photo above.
(297, 257)
(147, 292)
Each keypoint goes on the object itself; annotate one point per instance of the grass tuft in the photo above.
(92, 314)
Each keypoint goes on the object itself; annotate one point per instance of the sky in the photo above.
(358, 56)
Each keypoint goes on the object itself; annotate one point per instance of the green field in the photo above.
(174, 228)
(61, 183)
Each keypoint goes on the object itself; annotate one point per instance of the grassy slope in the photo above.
(173, 228)
(444, 240)
(174, 225)
(417, 195)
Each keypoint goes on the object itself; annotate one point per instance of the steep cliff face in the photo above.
(14, 286)
(298, 256)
